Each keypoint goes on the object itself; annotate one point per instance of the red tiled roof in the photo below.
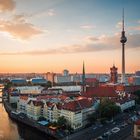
(59, 106)
(61, 97)
(91, 80)
(36, 103)
(100, 92)
(51, 105)
(78, 104)
(121, 101)
(71, 94)
(24, 97)
(129, 88)
(137, 122)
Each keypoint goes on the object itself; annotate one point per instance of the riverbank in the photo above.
(29, 122)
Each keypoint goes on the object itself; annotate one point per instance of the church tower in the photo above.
(83, 79)
(113, 74)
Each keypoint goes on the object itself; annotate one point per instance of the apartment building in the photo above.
(137, 129)
(34, 109)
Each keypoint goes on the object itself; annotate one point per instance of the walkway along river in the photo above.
(11, 130)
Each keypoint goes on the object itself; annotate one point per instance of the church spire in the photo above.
(83, 77)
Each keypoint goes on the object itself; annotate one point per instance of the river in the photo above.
(11, 130)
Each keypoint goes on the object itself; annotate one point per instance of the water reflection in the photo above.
(10, 130)
(27, 133)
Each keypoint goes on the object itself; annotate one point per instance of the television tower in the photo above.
(123, 41)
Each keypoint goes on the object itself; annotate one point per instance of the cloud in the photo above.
(7, 5)
(19, 28)
(119, 25)
(134, 41)
(87, 26)
(51, 12)
(48, 13)
(135, 28)
(103, 43)
(19, 18)
(91, 39)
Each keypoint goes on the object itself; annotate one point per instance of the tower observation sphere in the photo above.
(123, 37)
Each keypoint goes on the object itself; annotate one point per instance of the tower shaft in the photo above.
(123, 63)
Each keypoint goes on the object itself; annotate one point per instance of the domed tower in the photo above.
(114, 75)
(123, 40)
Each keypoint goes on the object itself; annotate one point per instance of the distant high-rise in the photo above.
(113, 74)
(65, 72)
(123, 41)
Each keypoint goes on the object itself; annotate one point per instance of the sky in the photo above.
(52, 35)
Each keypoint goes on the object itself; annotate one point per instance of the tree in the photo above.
(61, 121)
(49, 84)
(108, 109)
(92, 118)
(137, 93)
(7, 86)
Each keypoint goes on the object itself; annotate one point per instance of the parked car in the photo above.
(99, 138)
(114, 123)
(95, 127)
(100, 125)
(108, 133)
(124, 124)
(115, 130)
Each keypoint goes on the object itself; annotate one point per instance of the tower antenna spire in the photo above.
(123, 19)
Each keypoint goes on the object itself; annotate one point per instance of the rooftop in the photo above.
(100, 92)
(78, 104)
(137, 122)
(36, 103)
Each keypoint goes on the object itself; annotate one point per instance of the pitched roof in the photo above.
(46, 97)
(78, 104)
(36, 103)
(137, 122)
(91, 80)
(100, 92)
(121, 101)
(24, 97)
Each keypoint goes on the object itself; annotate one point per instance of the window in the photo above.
(77, 112)
(138, 134)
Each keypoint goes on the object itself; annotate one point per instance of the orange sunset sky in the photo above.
(52, 35)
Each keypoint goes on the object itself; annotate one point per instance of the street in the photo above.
(94, 132)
